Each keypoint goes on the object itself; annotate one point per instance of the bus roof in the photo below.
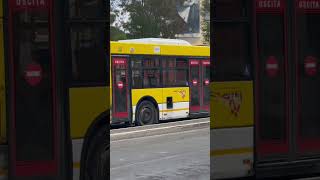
(142, 48)
(158, 41)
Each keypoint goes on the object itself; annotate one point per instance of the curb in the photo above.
(153, 130)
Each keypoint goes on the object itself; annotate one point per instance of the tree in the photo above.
(205, 28)
(115, 32)
(152, 18)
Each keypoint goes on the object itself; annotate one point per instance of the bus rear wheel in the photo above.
(97, 161)
(146, 114)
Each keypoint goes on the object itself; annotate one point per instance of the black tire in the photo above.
(146, 114)
(97, 162)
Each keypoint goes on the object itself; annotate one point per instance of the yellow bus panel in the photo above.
(178, 94)
(156, 93)
(231, 104)
(86, 104)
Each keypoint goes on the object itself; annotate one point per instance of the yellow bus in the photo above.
(265, 88)
(158, 79)
(54, 117)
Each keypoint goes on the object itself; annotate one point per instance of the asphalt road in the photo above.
(174, 156)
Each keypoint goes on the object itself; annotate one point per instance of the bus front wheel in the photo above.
(146, 114)
(97, 161)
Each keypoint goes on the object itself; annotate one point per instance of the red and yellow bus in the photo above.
(158, 79)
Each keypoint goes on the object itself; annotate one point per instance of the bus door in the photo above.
(33, 126)
(195, 86)
(120, 91)
(307, 53)
(271, 81)
(205, 79)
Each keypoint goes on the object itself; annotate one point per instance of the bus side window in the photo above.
(175, 72)
(88, 56)
(151, 73)
(136, 65)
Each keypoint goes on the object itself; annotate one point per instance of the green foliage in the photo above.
(205, 28)
(116, 34)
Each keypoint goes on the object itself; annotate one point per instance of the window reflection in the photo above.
(86, 8)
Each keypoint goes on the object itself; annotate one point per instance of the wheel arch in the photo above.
(147, 98)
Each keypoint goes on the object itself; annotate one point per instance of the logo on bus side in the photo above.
(33, 3)
(182, 93)
(232, 100)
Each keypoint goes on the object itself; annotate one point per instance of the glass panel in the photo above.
(151, 63)
(230, 8)
(231, 52)
(194, 85)
(136, 63)
(168, 78)
(181, 77)
(194, 73)
(175, 78)
(206, 88)
(272, 122)
(151, 78)
(182, 63)
(89, 55)
(308, 38)
(120, 83)
(33, 81)
(87, 8)
(137, 81)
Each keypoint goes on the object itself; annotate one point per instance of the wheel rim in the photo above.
(146, 115)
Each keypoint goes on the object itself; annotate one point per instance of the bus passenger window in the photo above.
(136, 65)
(175, 72)
(136, 79)
(151, 79)
(87, 8)
(231, 52)
(88, 56)
(151, 73)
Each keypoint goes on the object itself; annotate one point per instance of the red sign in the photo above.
(120, 84)
(310, 65)
(206, 82)
(30, 3)
(195, 82)
(206, 62)
(33, 74)
(309, 4)
(119, 61)
(269, 5)
(272, 66)
(194, 62)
